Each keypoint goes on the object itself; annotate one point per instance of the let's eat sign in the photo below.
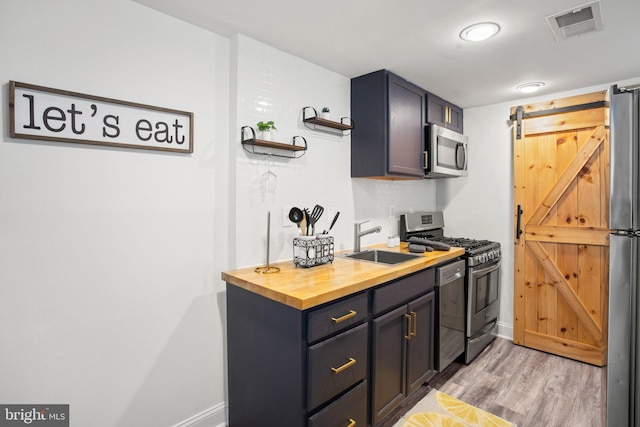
(47, 114)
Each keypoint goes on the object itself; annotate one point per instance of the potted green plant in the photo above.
(325, 113)
(265, 129)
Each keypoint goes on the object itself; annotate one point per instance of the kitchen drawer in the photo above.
(336, 364)
(349, 410)
(401, 291)
(336, 317)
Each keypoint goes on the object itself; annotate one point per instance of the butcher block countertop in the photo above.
(304, 288)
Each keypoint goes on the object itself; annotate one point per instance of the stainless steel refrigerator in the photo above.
(624, 260)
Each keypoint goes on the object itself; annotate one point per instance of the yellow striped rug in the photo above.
(437, 409)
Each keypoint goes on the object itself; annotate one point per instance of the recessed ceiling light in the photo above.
(530, 87)
(479, 32)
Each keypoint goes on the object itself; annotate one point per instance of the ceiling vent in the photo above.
(576, 21)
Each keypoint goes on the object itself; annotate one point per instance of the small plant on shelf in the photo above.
(268, 126)
(325, 113)
(265, 129)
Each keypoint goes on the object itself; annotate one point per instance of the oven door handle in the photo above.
(488, 329)
(481, 271)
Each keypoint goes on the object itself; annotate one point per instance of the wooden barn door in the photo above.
(561, 206)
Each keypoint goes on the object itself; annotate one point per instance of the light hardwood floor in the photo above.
(524, 386)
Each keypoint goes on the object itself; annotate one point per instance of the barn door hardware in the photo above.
(518, 223)
(519, 115)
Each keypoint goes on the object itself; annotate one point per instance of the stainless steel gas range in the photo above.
(481, 305)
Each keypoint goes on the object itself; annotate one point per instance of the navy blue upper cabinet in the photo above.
(443, 113)
(387, 140)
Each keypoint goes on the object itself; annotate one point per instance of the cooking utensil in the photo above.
(295, 215)
(316, 213)
(333, 222)
(304, 224)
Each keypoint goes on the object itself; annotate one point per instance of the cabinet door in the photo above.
(455, 118)
(388, 362)
(443, 113)
(436, 110)
(420, 346)
(406, 127)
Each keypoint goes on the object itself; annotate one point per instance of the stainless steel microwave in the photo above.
(445, 153)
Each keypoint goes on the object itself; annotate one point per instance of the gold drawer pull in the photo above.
(409, 318)
(349, 315)
(352, 422)
(414, 319)
(350, 363)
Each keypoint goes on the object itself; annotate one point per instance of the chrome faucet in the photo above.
(357, 234)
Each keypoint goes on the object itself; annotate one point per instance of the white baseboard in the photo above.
(212, 417)
(505, 330)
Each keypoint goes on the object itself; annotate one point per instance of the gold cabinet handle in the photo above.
(408, 317)
(448, 114)
(352, 422)
(414, 320)
(339, 369)
(349, 315)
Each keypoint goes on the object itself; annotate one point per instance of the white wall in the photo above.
(110, 259)
(481, 205)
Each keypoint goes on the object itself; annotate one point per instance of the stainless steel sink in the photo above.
(382, 257)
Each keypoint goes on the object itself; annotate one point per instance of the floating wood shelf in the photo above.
(250, 143)
(272, 144)
(312, 121)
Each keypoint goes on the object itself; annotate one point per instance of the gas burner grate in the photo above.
(460, 242)
(464, 242)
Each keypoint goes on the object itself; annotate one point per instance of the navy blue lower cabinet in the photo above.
(293, 368)
(402, 341)
(348, 410)
(345, 363)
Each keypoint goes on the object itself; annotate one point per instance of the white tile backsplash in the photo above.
(273, 85)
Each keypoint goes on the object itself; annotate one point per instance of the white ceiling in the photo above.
(418, 40)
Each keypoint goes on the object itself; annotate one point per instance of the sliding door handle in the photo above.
(518, 223)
